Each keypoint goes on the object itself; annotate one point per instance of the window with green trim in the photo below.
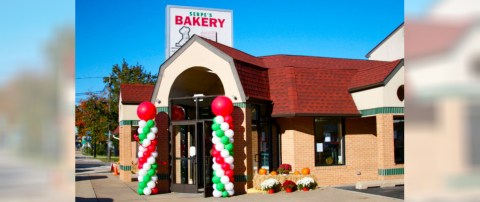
(329, 142)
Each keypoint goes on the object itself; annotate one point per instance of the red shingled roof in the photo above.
(306, 85)
(374, 76)
(136, 93)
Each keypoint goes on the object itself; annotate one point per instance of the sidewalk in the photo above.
(97, 183)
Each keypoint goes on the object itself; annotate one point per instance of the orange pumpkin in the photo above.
(273, 173)
(296, 173)
(306, 171)
(262, 171)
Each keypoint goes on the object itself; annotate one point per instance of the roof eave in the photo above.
(314, 114)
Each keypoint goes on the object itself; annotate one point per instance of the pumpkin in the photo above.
(273, 173)
(296, 173)
(262, 171)
(306, 171)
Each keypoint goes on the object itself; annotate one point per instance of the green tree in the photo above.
(92, 115)
(123, 74)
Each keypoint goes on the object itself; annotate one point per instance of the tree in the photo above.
(123, 74)
(92, 115)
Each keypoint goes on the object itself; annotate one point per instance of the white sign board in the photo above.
(184, 22)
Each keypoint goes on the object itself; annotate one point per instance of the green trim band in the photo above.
(382, 110)
(242, 178)
(163, 176)
(162, 109)
(242, 105)
(391, 171)
(125, 168)
(129, 122)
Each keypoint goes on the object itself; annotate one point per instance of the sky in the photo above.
(109, 31)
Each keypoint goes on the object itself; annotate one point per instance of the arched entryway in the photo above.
(190, 125)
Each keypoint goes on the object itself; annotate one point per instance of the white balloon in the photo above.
(224, 126)
(215, 140)
(140, 178)
(216, 193)
(142, 123)
(220, 173)
(154, 178)
(146, 142)
(154, 130)
(216, 166)
(231, 140)
(219, 146)
(147, 191)
(229, 133)
(147, 166)
(214, 134)
(231, 192)
(214, 186)
(231, 166)
(219, 119)
(142, 172)
(140, 154)
(150, 136)
(151, 160)
(229, 159)
(229, 186)
(155, 154)
(151, 184)
(140, 130)
(225, 153)
(141, 148)
(225, 179)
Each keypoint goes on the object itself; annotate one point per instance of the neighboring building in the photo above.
(342, 118)
(391, 48)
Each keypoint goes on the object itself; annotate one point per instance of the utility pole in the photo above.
(109, 113)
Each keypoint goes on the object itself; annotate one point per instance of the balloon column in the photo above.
(222, 151)
(147, 151)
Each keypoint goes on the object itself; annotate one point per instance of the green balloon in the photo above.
(215, 126)
(140, 191)
(231, 153)
(154, 166)
(214, 120)
(229, 147)
(146, 178)
(215, 179)
(142, 136)
(150, 123)
(142, 185)
(219, 133)
(214, 173)
(220, 187)
(151, 172)
(146, 129)
(225, 194)
(225, 140)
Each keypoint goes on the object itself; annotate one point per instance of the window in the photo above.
(329, 142)
(398, 138)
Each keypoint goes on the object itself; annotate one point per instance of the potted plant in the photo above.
(306, 183)
(284, 169)
(289, 185)
(270, 185)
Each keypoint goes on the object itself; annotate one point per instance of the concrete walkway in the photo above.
(94, 182)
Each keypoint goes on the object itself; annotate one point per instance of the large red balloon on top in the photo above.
(146, 111)
(222, 106)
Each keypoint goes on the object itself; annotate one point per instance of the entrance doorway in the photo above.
(191, 134)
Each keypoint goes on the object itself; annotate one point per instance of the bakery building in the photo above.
(342, 118)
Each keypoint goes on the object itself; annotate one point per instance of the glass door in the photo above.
(207, 158)
(184, 150)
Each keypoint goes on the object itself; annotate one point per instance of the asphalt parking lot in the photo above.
(394, 192)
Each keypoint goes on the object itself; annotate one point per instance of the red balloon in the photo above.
(164, 163)
(153, 142)
(178, 113)
(142, 159)
(222, 105)
(228, 119)
(146, 153)
(220, 160)
(232, 179)
(140, 165)
(225, 166)
(155, 190)
(146, 111)
(215, 153)
(135, 137)
(230, 126)
(229, 172)
(150, 148)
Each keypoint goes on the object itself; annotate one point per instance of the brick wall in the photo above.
(163, 149)
(364, 151)
(125, 144)
(243, 164)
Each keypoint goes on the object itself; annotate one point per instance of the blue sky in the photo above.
(109, 30)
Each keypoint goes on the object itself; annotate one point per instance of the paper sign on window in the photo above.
(328, 137)
(319, 147)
